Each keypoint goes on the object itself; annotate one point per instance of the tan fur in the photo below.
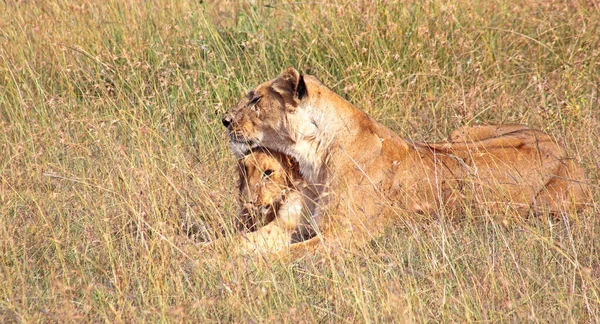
(364, 173)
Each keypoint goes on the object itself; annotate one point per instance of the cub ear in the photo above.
(293, 167)
(292, 82)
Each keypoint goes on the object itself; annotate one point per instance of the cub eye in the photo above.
(267, 173)
(254, 101)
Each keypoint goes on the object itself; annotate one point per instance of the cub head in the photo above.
(264, 178)
(262, 117)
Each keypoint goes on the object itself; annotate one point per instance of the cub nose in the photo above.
(226, 121)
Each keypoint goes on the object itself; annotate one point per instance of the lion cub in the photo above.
(270, 186)
(273, 196)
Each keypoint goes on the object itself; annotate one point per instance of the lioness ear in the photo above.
(292, 82)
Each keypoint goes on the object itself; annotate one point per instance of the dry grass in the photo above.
(113, 153)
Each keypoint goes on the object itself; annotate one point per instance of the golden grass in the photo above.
(113, 153)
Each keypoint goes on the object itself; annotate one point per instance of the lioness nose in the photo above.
(226, 121)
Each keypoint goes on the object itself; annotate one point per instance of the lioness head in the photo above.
(265, 178)
(262, 117)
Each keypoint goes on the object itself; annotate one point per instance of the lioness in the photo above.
(364, 173)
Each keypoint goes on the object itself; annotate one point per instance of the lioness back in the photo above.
(481, 132)
(513, 163)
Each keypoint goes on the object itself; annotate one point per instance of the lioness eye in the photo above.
(254, 101)
(267, 173)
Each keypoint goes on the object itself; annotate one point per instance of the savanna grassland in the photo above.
(114, 165)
